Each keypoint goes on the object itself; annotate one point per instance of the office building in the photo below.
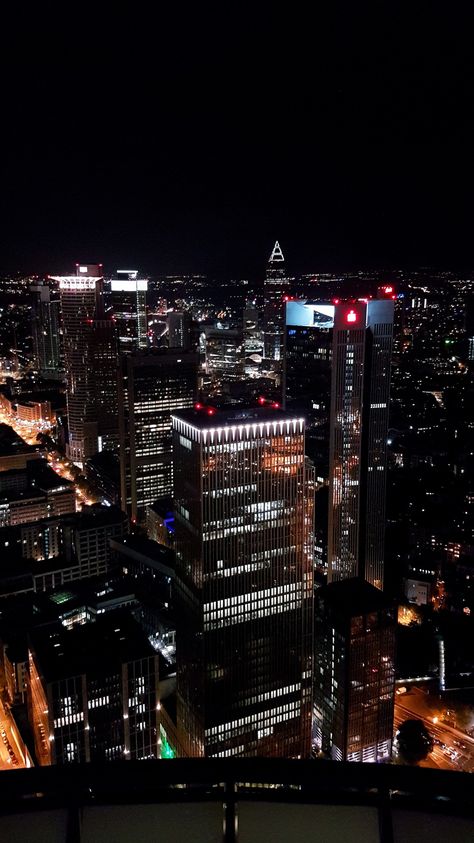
(93, 691)
(274, 290)
(354, 672)
(15, 453)
(307, 374)
(360, 392)
(103, 379)
(33, 493)
(223, 346)
(45, 328)
(81, 298)
(128, 298)
(180, 333)
(244, 572)
(154, 384)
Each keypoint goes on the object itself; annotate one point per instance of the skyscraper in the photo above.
(354, 671)
(179, 329)
(102, 343)
(128, 297)
(360, 391)
(153, 385)
(244, 583)
(81, 303)
(45, 324)
(275, 287)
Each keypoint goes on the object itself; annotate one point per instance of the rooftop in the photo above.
(12, 444)
(206, 416)
(113, 639)
(354, 597)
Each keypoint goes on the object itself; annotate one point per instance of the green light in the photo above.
(167, 750)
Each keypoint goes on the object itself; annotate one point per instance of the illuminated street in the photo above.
(453, 749)
(60, 464)
(13, 752)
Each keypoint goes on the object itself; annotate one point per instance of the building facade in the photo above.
(45, 325)
(93, 692)
(154, 384)
(81, 298)
(360, 392)
(128, 298)
(354, 672)
(243, 521)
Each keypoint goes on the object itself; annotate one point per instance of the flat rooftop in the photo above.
(113, 639)
(354, 597)
(12, 444)
(210, 416)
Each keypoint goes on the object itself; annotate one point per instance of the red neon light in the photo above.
(388, 289)
(351, 316)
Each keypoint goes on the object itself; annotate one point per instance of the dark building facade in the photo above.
(45, 324)
(360, 392)
(153, 385)
(243, 524)
(93, 692)
(354, 671)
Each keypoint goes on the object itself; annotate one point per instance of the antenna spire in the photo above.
(277, 254)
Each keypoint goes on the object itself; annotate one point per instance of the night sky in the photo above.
(189, 141)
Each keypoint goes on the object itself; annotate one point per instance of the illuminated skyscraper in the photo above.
(128, 297)
(354, 671)
(244, 583)
(361, 360)
(153, 385)
(275, 288)
(81, 299)
(45, 318)
(103, 370)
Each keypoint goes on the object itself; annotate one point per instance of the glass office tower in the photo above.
(244, 583)
(128, 296)
(81, 297)
(153, 385)
(360, 391)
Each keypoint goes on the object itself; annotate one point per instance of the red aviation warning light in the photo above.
(351, 316)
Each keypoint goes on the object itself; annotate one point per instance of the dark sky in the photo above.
(190, 140)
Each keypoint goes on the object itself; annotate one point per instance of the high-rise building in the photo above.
(154, 384)
(243, 520)
(275, 287)
(179, 329)
(103, 371)
(81, 303)
(307, 374)
(360, 393)
(354, 671)
(45, 318)
(128, 298)
(224, 357)
(93, 691)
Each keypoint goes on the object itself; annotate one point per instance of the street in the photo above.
(13, 752)
(453, 749)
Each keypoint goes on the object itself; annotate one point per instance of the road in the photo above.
(453, 750)
(13, 752)
(58, 463)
